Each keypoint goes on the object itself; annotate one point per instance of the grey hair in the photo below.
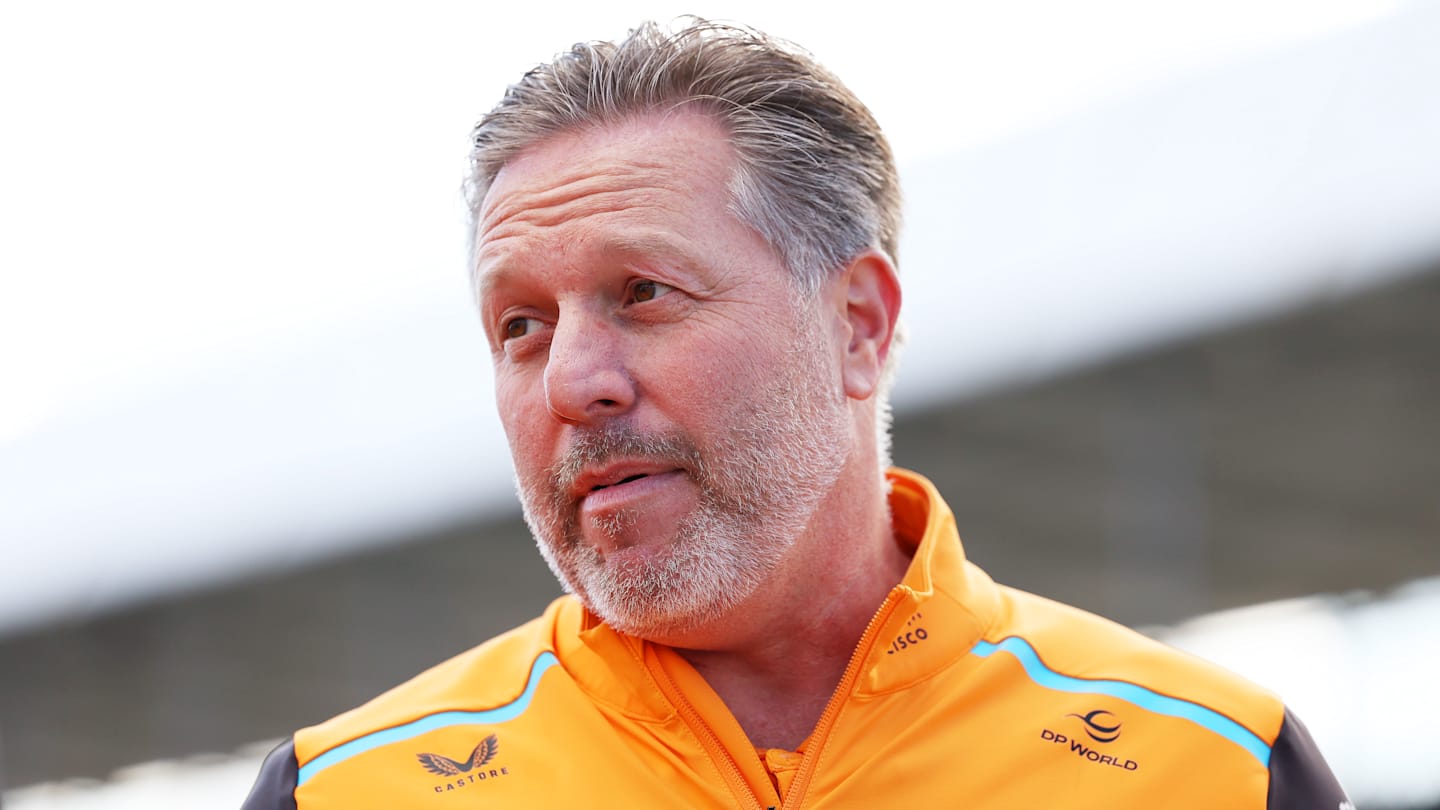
(815, 176)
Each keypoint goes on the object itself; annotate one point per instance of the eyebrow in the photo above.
(486, 280)
(487, 277)
(659, 243)
(483, 280)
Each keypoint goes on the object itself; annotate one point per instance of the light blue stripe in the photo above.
(429, 723)
(1138, 695)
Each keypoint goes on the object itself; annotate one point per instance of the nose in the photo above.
(586, 379)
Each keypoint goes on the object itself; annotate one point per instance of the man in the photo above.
(683, 252)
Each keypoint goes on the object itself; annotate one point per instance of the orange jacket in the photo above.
(961, 693)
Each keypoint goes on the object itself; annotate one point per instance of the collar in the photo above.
(943, 605)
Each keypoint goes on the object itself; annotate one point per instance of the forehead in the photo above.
(679, 163)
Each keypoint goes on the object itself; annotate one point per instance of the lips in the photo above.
(627, 479)
(634, 508)
(618, 474)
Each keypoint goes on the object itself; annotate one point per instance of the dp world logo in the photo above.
(1102, 726)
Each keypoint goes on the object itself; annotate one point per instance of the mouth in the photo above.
(620, 476)
(627, 479)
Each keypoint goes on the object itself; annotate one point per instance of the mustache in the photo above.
(601, 445)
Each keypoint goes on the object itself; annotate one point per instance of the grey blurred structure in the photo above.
(1273, 459)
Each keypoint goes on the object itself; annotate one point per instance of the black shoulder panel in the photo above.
(1299, 777)
(275, 786)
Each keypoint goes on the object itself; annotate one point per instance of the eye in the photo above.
(518, 327)
(642, 290)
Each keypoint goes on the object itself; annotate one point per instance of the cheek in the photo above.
(709, 364)
(524, 417)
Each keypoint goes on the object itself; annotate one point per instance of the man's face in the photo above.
(674, 408)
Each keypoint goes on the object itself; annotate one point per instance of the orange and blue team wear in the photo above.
(962, 693)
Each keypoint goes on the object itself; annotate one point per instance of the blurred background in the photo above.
(1173, 296)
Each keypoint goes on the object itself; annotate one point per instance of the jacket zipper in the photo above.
(717, 751)
(838, 699)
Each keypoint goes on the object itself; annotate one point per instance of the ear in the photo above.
(872, 310)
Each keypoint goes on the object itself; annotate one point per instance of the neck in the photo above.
(776, 662)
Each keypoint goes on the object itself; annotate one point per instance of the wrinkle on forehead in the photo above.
(677, 147)
(626, 184)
